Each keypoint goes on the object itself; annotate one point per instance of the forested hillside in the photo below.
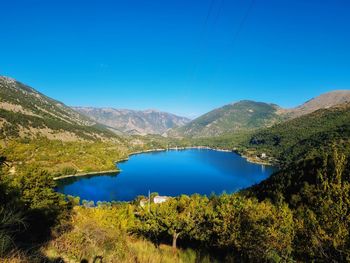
(304, 136)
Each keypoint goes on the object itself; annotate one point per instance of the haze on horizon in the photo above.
(184, 57)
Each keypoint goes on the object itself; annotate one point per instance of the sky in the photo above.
(181, 56)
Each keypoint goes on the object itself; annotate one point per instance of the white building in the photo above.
(160, 199)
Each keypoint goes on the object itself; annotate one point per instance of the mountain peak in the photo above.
(238, 116)
(7, 80)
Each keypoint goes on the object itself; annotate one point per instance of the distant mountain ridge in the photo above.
(133, 121)
(25, 112)
(248, 115)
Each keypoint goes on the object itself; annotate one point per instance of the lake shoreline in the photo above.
(86, 174)
(251, 159)
(248, 158)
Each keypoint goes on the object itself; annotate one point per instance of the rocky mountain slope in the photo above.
(25, 112)
(323, 101)
(132, 121)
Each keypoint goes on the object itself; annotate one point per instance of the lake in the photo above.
(170, 173)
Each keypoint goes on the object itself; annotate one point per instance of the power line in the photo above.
(202, 36)
(235, 34)
(208, 14)
(219, 12)
(241, 24)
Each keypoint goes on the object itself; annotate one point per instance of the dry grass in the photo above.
(145, 251)
(137, 250)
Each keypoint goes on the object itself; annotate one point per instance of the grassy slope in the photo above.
(106, 229)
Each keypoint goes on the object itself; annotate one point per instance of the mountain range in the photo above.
(250, 115)
(25, 112)
(132, 121)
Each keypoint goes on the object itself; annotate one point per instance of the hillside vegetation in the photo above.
(232, 118)
(304, 136)
(63, 158)
(66, 158)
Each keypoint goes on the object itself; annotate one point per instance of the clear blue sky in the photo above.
(181, 56)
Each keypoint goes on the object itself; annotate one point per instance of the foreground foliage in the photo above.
(238, 227)
(300, 213)
(29, 210)
(318, 191)
(103, 233)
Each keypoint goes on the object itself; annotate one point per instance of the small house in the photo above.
(160, 199)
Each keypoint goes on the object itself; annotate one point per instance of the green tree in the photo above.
(176, 218)
(266, 231)
(44, 208)
(11, 216)
(323, 221)
(226, 221)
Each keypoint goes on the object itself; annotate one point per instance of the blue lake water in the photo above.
(169, 173)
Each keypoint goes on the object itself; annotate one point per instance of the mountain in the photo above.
(240, 116)
(248, 115)
(323, 101)
(25, 112)
(132, 121)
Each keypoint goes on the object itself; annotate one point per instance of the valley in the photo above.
(43, 139)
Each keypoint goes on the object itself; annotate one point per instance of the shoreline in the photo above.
(257, 161)
(86, 174)
(247, 158)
